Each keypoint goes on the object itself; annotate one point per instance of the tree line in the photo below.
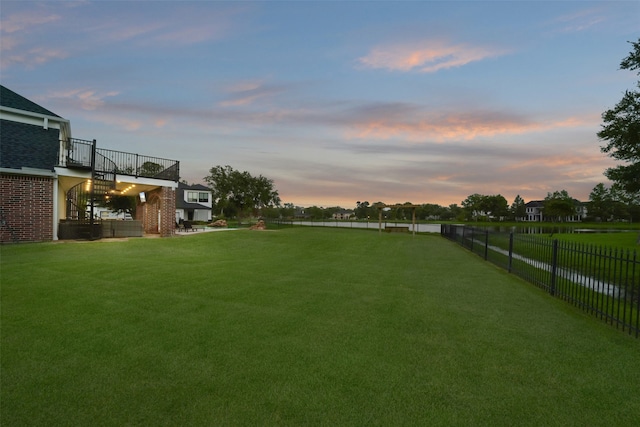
(238, 194)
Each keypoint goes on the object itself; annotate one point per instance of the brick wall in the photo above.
(168, 226)
(26, 208)
(162, 200)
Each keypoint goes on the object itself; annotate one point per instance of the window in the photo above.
(197, 197)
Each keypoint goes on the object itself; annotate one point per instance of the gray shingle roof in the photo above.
(24, 145)
(184, 186)
(181, 204)
(9, 98)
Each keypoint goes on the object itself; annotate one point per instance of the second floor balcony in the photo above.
(82, 154)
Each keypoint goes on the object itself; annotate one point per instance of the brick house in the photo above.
(50, 183)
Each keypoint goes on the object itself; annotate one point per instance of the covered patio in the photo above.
(87, 177)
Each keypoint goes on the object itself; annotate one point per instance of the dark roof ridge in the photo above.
(184, 186)
(11, 99)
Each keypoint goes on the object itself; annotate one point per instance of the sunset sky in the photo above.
(337, 102)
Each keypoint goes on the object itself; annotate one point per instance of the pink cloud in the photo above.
(441, 127)
(426, 57)
(579, 21)
(32, 57)
(86, 99)
(248, 92)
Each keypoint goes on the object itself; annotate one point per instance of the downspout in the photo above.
(93, 187)
(56, 214)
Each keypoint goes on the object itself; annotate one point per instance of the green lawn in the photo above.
(621, 240)
(298, 326)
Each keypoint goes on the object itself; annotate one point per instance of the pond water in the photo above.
(420, 228)
(435, 228)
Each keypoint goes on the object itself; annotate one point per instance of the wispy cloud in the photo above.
(85, 99)
(200, 33)
(181, 27)
(23, 20)
(12, 49)
(426, 57)
(248, 92)
(157, 33)
(578, 21)
(31, 57)
(116, 31)
(93, 27)
(414, 123)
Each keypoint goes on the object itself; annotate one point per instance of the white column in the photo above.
(55, 208)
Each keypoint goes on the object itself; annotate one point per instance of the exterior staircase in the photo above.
(83, 197)
(103, 165)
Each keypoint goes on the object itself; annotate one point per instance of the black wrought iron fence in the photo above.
(78, 153)
(143, 166)
(602, 281)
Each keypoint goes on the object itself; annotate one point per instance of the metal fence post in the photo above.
(554, 267)
(486, 244)
(93, 189)
(510, 251)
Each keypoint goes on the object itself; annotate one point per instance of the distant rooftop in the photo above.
(184, 186)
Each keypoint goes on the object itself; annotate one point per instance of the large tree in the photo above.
(455, 212)
(150, 169)
(496, 206)
(621, 131)
(558, 206)
(240, 191)
(518, 208)
(626, 206)
(478, 205)
(472, 205)
(363, 210)
(600, 203)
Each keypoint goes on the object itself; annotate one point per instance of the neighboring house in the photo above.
(301, 214)
(535, 211)
(51, 184)
(193, 203)
(480, 215)
(343, 214)
(581, 210)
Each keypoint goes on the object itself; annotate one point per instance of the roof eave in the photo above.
(64, 125)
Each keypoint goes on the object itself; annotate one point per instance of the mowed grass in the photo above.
(624, 241)
(298, 326)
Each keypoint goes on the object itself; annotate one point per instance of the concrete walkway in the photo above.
(204, 230)
(564, 273)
